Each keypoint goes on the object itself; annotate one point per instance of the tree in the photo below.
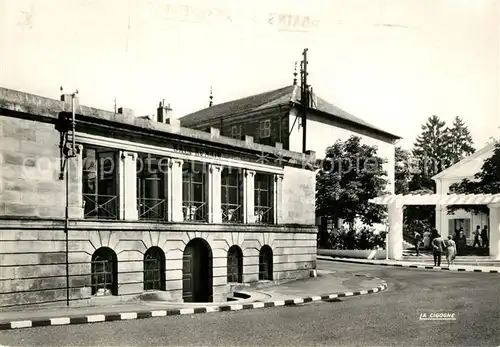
(432, 153)
(459, 141)
(351, 174)
(486, 181)
(402, 170)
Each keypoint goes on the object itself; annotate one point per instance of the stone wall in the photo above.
(33, 257)
(29, 169)
(301, 184)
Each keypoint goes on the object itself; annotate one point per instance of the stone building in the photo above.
(139, 205)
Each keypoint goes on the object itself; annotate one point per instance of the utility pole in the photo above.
(69, 151)
(304, 97)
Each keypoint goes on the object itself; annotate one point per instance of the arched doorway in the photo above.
(235, 265)
(197, 272)
(104, 272)
(154, 269)
(266, 263)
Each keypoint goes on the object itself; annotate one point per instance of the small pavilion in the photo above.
(395, 204)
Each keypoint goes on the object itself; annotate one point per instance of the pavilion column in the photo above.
(395, 236)
(494, 231)
(442, 220)
(127, 183)
(174, 183)
(214, 194)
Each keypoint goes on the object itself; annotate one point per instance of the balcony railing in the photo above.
(100, 206)
(231, 213)
(263, 214)
(195, 211)
(151, 209)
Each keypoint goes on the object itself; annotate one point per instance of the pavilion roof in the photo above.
(437, 199)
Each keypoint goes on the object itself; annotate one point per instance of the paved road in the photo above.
(389, 318)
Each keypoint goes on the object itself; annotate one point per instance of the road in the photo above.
(390, 318)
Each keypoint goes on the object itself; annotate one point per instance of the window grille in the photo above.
(100, 197)
(151, 189)
(266, 263)
(231, 195)
(104, 272)
(234, 265)
(154, 269)
(263, 198)
(194, 204)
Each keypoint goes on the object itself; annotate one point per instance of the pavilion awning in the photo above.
(437, 199)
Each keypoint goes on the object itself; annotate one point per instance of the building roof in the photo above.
(468, 166)
(276, 97)
(52, 109)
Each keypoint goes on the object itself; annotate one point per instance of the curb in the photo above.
(428, 267)
(95, 318)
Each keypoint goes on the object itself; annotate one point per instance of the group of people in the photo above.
(451, 245)
(481, 234)
(447, 246)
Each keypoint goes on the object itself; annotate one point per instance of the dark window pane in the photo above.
(185, 191)
(153, 189)
(224, 195)
(264, 198)
(198, 193)
(233, 195)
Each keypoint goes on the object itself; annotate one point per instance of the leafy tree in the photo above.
(460, 143)
(402, 171)
(486, 181)
(351, 174)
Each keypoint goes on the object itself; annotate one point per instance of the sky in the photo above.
(393, 63)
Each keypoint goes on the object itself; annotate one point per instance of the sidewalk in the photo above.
(328, 285)
(425, 264)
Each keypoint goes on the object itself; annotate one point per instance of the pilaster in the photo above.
(249, 202)
(278, 199)
(174, 198)
(395, 236)
(127, 181)
(75, 201)
(494, 239)
(214, 194)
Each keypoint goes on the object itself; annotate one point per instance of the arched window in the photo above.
(154, 269)
(234, 265)
(266, 263)
(104, 272)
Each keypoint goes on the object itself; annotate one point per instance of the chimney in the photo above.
(128, 112)
(66, 99)
(165, 114)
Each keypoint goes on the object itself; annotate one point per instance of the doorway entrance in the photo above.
(197, 272)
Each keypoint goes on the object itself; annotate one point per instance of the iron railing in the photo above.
(231, 213)
(100, 206)
(195, 211)
(265, 264)
(103, 278)
(152, 209)
(263, 214)
(154, 274)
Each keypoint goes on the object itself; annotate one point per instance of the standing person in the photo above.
(461, 242)
(477, 232)
(427, 239)
(418, 239)
(451, 250)
(484, 237)
(438, 248)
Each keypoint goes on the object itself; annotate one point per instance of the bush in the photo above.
(362, 238)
